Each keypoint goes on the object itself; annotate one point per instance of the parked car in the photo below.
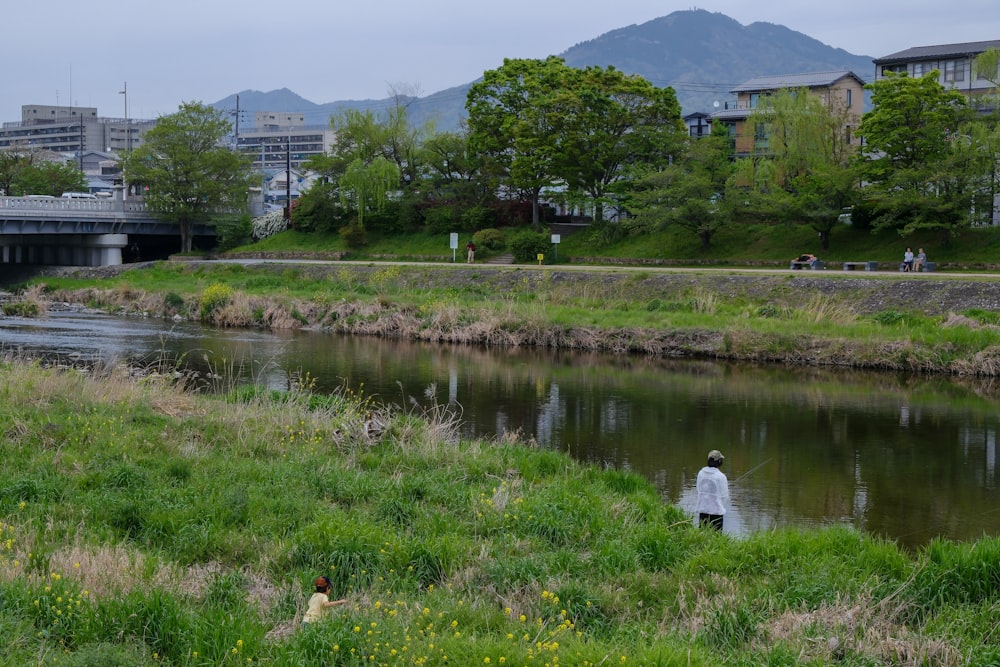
(78, 195)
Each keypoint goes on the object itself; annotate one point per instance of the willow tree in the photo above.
(367, 186)
(802, 172)
(192, 177)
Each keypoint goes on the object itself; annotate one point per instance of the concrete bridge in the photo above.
(78, 232)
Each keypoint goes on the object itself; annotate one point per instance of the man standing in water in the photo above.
(713, 491)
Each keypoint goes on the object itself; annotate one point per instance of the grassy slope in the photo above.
(144, 525)
(735, 245)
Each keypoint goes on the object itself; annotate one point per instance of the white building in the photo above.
(278, 139)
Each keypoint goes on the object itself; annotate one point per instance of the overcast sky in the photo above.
(84, 53)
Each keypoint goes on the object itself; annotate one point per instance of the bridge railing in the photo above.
(68, 205)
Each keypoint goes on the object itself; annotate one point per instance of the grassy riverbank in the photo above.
(737, 245)
(923, 323)
(143, 524)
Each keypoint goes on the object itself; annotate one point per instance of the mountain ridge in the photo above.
(701, 54)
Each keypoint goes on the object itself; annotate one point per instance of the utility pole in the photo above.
(236, 134)
(288, 179)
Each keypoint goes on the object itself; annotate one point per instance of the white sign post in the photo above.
(555, 242)
(454, 245)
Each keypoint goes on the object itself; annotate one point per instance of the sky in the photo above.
(165, 53)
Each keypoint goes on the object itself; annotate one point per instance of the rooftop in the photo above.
(939, 51)
(806, 80)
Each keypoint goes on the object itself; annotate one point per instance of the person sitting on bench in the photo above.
(806, 258)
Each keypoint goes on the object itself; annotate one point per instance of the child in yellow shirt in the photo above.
(320, 601)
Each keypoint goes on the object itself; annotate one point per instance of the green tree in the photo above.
(12, 161)
(450, 173)
(369, 151)
(606, 124)
(802, 172)
(908, 156)
(690, 193)
(366, 186)
(511, 126)
(987, 66)
(191, 175)
(48, 178)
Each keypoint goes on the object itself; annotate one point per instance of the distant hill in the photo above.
(701, 54)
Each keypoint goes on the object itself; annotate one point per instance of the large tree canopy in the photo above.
(606, 123)
(913, 179)
(190, 174)
(539, 124)
(510, 125)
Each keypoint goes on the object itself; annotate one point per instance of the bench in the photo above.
(928, 267)
(860, 266)
(814, 265)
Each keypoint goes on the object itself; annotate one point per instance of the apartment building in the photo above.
(70, 129)
(282, 138)
(841, 90)
(952, 61)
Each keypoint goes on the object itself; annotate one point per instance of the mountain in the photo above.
(701, 54)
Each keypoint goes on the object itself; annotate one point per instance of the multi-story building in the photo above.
(278, 139)
(842, 91)
(952, 61)
(75, 130)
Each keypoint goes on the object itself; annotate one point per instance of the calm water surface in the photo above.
(910, 458)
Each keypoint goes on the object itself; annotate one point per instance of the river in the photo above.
(906, 457)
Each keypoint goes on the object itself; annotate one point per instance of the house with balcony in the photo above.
(842, 91)
(953, 63)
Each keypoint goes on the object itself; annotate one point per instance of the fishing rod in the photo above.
(752, 470)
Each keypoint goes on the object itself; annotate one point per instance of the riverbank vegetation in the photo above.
(145, 524)
(868, 321)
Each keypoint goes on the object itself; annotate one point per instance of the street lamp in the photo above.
(128, 135)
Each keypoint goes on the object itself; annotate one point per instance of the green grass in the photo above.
(735, 245)
(141, 524)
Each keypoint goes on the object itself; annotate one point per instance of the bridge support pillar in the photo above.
(102, 249)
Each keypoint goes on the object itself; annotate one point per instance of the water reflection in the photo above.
(905, 457)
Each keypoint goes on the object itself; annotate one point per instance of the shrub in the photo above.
(489, 239)
(234, 232)
(173, 302)
(442, 219)
(318, 210)
(269, 224)
(354, 235)
(478, 217)
(527, 245)
(213, 298)
(606, 233)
